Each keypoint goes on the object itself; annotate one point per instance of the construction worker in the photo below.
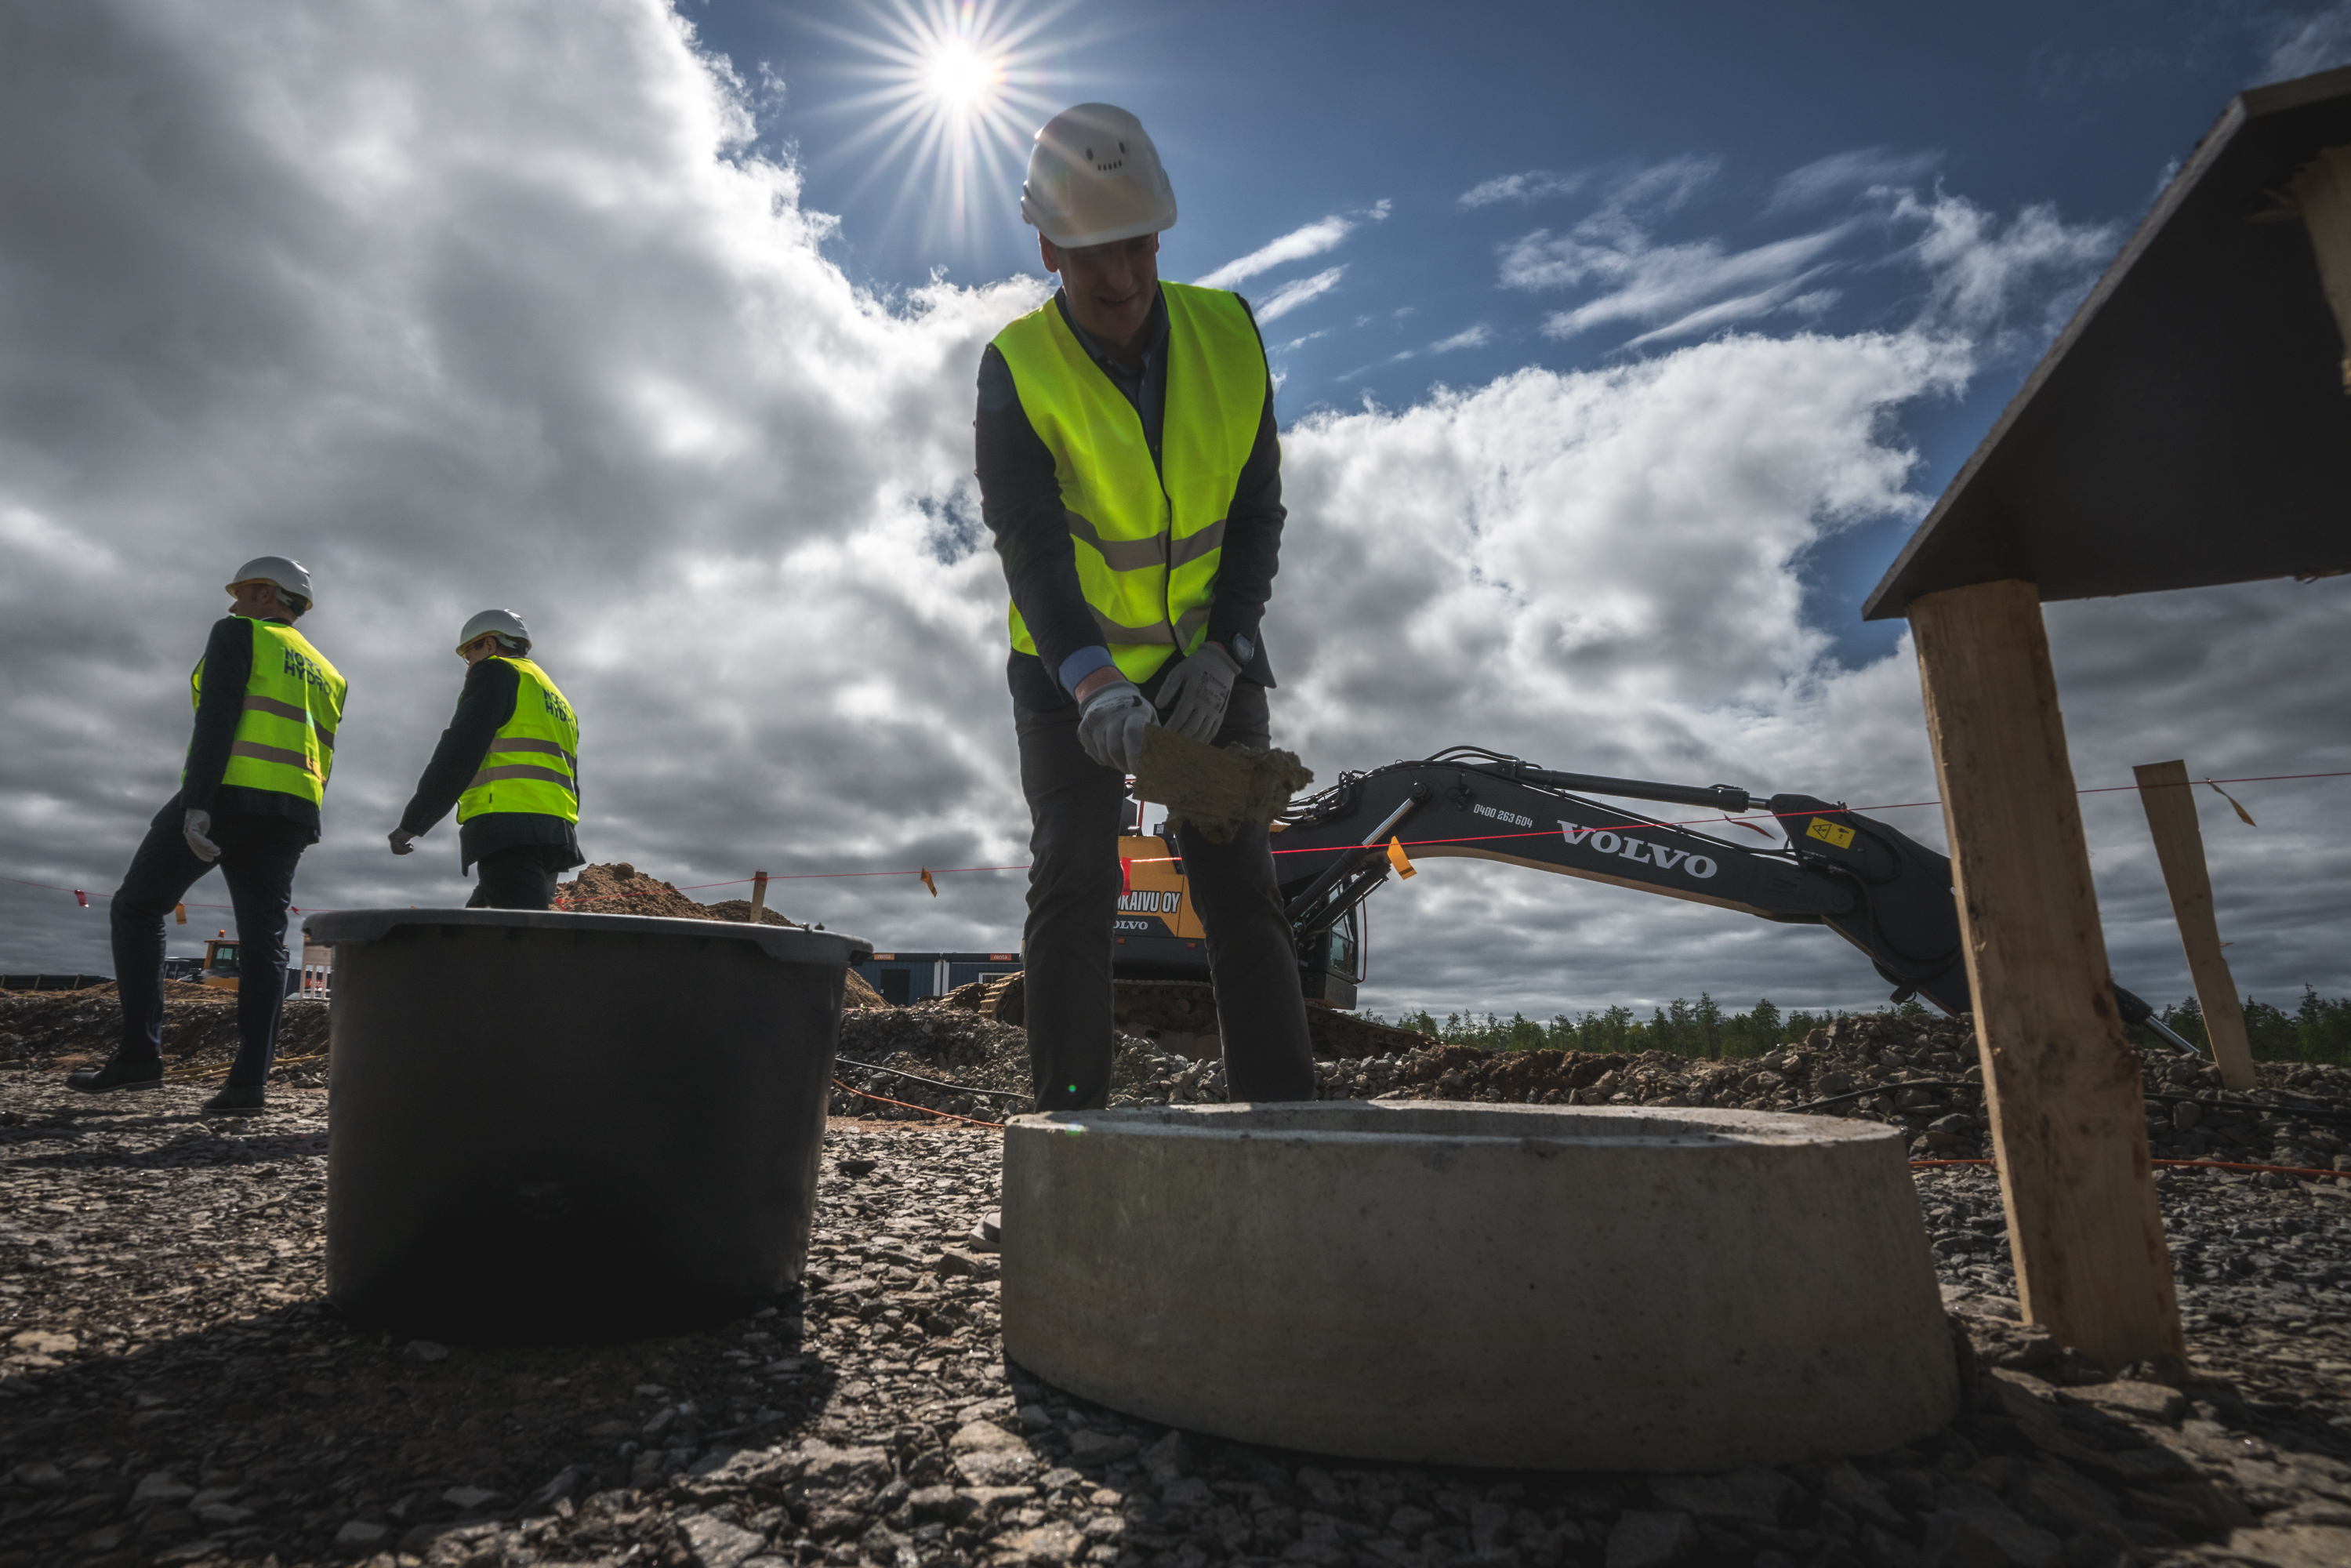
(1130, 470)
(509, 762)
(268, 706)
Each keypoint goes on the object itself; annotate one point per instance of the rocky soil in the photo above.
(173, 1390)
(65, 1029)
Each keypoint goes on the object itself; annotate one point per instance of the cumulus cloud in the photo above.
(1296, 292)
(1313, 239)
(375, 287)
(2013, 285)
(456, 329)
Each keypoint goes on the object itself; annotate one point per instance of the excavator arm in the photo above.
(1873, 884)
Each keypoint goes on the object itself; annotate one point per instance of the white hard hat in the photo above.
(505, 624)
(292, 582)
(1095, 177)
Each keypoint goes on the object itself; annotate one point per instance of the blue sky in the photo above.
(1275, 117)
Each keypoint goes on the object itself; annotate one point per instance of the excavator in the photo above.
(1870, 883)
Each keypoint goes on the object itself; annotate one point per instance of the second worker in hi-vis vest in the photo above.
(267, 706)
(509, 762)
(1130, 470)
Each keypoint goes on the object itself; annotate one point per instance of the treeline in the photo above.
(2318, 1030)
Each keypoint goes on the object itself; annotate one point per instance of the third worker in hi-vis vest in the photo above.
(509, 762)
(1130, 470)
(267, 706)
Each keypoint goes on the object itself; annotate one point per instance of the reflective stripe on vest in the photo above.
(1148, 539)
(285, 725)
(533, 763)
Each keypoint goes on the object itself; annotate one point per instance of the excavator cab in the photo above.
(222, 963)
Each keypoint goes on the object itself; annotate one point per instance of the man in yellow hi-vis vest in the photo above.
(268, 706)
(509, 762)
(1130, 470)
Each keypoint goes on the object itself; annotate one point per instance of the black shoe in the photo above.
(238, 1099)
(118, 1074)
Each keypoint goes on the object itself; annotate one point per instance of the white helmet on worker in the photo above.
(1095, 177)
(503, 624)
(293, 583)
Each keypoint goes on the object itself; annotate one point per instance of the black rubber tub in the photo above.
(549, 1126)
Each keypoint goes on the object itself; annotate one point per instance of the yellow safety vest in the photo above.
(1148, 538)
(534, 763)
(293, 706)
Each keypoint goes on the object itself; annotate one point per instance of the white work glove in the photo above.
(403, 842)
(193, 827)
(1111, 724)
(1194, 694)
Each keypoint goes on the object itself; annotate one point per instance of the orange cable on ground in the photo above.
(925, 1110)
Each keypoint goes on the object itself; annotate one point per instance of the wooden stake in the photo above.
(2164, 790)
(2069, 1134)
(759, 895)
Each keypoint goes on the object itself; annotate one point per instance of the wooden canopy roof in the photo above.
(2191, 424)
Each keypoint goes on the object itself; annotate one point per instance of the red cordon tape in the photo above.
(1745, 820)
(925, 1110)
(2192, 1165)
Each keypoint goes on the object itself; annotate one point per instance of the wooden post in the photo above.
(2069, 1133)
(758, 896)
(2165, 791)
(2322, 188)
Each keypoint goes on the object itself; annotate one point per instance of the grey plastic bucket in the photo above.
(555, 1126)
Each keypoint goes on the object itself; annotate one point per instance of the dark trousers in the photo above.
(522, 877)
(1076, 807)
(257, 858)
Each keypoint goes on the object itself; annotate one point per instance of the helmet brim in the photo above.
(1133, 228)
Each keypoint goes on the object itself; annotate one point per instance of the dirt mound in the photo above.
(621, 889)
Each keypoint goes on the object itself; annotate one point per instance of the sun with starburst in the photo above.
(956, 98)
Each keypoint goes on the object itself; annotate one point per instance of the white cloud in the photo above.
(1296, 292)
(1839, 172)
(2317, 42)
(1984, 273)
(1646, 282)
(458, 329)
(1475, 337)
(1530, 186)
(1313, 239)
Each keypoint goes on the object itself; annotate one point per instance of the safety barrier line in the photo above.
(925, 1110)
(1745, 819)
(2193, 1164)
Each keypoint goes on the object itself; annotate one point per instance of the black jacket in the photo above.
(484, 707)
(220, 703)
(1020, 501)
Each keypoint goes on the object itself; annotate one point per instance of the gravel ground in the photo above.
(172, 1389)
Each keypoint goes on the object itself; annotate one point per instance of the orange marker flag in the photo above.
(1125, 875)
(928, 883)
(1398, 859)
(2242, 815)
(180, 913)
(81, 898)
